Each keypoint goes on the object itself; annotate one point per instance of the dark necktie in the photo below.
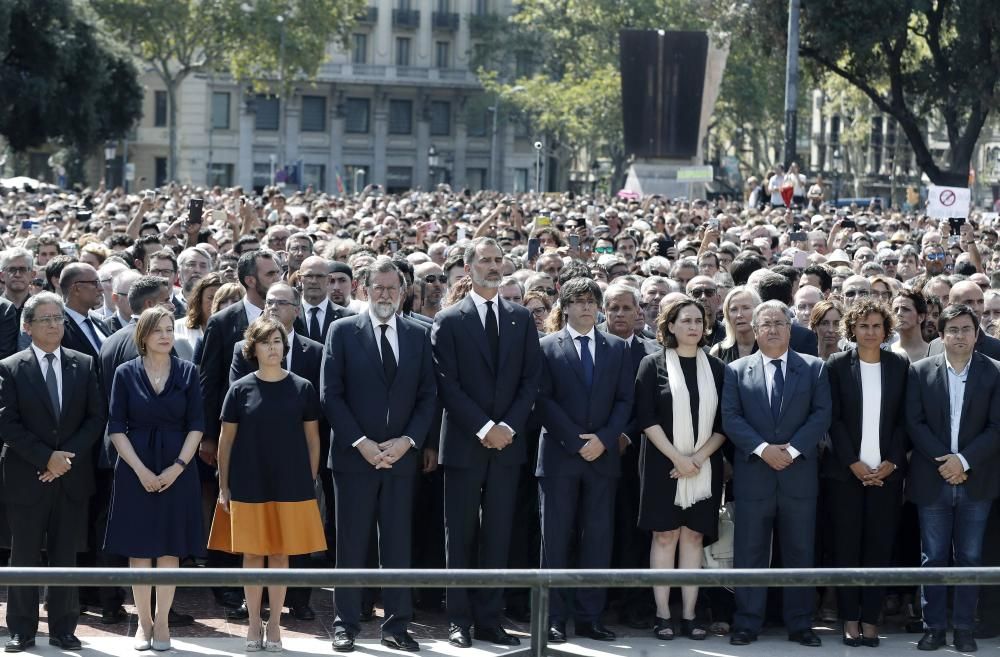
(388, 358)
(93, 334)
(51, 384)
(777, 388)
(492, 334)
(315, 332)
(586, 360)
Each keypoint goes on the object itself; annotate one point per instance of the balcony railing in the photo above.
(406, 18)
(368, 16)
(445, 20)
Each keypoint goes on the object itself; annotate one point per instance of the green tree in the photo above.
(918, 61)
(61, 80)
(271, 43)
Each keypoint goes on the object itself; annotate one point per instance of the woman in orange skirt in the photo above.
(268, 459)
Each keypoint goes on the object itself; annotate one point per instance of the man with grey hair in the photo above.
(854, 288)
(120, 286)
(776, 407)
(805, 300)
(106, 275)
(18, 267)
(652, 290)
(194, 263)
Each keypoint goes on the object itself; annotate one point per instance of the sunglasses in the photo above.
(439, 278)
(935, 256)
(551, 291)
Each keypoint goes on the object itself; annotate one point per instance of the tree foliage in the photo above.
(917, 60)
(61, 79)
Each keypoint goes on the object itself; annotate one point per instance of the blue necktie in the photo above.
(586, 360)
(777, 388)
(93, 337)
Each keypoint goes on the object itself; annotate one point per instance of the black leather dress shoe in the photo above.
(806, 638)
(932, 640)
(367, 615)
(497, 636)
(342, 640)
(19, 643)
(742, 638)
(240, 613)
(114, 616)
(965, 641)
(459, 636)
(557, 633)
(65, 642)
(303, 613)
(402, 641)
(176, 619)
(594, 631)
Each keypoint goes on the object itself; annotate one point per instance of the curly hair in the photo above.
(862, 308)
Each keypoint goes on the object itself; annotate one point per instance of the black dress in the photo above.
(654, 405)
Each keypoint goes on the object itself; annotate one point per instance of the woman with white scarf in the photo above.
(680, 466)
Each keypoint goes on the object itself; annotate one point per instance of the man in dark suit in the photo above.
(304, 358)
(487, 401)
(81, 290)
(631, 549)
(318, 312)
(584, 405)
(257, 271)
(53, 413)
(775, 287)
(776, 407)
(379, 394)
(953, 417)
(969, 294)
(9, 328)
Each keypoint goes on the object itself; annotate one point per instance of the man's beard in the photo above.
(485, 282)
(384, 310)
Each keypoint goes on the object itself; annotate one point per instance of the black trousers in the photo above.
(479, 513)
(864, 521)
(632, 544)
(58, 524)
(363, 498)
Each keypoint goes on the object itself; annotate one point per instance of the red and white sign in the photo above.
(947, 202)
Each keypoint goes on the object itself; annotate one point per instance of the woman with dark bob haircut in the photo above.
(268, 460)
(865, 484)
(677, 395)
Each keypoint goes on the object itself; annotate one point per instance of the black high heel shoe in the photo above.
(850, 641)
(869, 641)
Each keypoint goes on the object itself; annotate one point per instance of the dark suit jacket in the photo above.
(180, 306)
(928, 415)
(566, 408)
(985, 344)
(803, 420)
(473, 391)
(640, 348)
(32, 431)
(223, 330)
(359, 401)
(333, 313)
(802, 341)
(75, 339)
(845, 430)
(114, 323)
(307, 357)
(9, 328)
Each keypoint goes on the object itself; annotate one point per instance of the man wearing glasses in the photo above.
(18, 270)
(436, 284)
(704, 289)
(855, 287)
(318, 310)
(81, 290)
(933, 259)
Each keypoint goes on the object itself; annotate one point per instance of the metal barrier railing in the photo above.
(539, 581)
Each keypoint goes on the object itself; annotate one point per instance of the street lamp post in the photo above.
(433, 161)
(357, 173)
(837, 160)
(109, 156)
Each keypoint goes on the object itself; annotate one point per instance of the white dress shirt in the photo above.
(252, 311)
(43, 364)
(956, 397)
(288, 358)
(323, 307)
(392, 335)
(769, 382)
(80, 319)
(481, 309)
(590, 343)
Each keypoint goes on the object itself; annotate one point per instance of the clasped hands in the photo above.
(58, 465)
(951, 469)
(382, 455)
(872, 476)
(157, 483)
(498, 437)
(686, 466)
(592, 449)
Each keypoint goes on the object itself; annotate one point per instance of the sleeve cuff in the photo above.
(359, 441)
(965, 464)
(759, 450)
(794, 452)
(485, 430)
(412, 442)
(511, 429)
(628, 439)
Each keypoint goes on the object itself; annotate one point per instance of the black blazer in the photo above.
(114, 324)
(985, 344)
(307, 356)
(640, 349)
(359, 401)
(845, 430)
(75, 339)
(9, 328)
(928, 415)
(333, 313)
(566, 408)
(223, 330)
(31, 430)
(473, 391)
(803, 341)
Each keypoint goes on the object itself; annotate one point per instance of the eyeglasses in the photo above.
(165, 273)
(655, 272)
(16, 271)
(706, 292)
(888, 261)
(772, 326)
(436, 278)
(856, 293)
(935, 256)
(539, 311)
(313, 277)
(280, 303)
(95, 283)
(299, 248)
(379, 290)
(48, 320)
(550, 291)
(955, 331)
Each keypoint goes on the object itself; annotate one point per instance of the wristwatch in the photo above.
(180, 462)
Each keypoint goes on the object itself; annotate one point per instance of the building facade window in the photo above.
(440, 118)
(313, 114)
(266, 117)
(400, 117)
(402, 51)
(315, 175)
(221, 174)
(356, 177)
(520, 181)
(475, 179)
(359, 49)
(357, 112)
(220, 110)
(442, 54)
(160, 109)
(398, 179)
(159, 171)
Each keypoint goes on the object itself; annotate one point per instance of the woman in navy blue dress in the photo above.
(155, 423)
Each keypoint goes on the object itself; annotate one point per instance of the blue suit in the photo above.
(764, 495)
(480, 483)
(578, 497)
(360, 402)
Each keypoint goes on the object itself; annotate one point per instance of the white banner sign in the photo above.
(947, 202)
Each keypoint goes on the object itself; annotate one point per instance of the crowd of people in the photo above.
(478, 380)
